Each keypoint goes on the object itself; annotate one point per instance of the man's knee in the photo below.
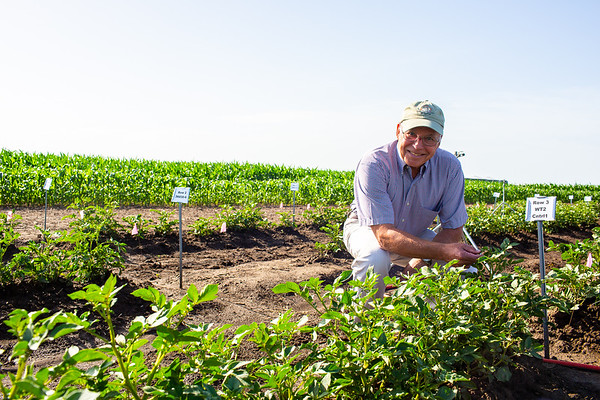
(378, 258)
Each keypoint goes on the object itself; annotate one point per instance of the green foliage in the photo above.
(83, 254)
(496, 260)
(510, 219)
(76, 256)
(165, 225)
(248, 217)
(98, 221)
(138, 222)
(336, 242)
(579, 279)
(322, 215)
(203, 226)
(286, 218)
(235, 219)
(32, 331)
(426, 340)
(98, 180)
(482, 191)
(8, 235)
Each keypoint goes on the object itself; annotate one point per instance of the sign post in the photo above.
(542, 209)
(46, 188)
(180, 195)
(294, 186)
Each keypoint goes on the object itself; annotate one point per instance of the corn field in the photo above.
(87, 180)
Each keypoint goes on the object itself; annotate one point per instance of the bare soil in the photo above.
(247, 265)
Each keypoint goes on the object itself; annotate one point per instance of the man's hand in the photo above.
(464, 253)
(445, 246)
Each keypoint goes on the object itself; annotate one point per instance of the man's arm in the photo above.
(445, 246)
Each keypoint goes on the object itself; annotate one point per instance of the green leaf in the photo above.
(342, 278)
(193, 293)
(445, 393)
(286, 287)
(208, 293)
(29, 385)
(150, 294)
(64, 329)
(75, 355)
(503, 374)
(332, 315)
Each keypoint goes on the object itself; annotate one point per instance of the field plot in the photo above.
(247, 265)
(259, 305)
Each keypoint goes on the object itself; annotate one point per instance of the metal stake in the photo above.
(543, 278)
(180, 250)
(45, 209)
(294, 210)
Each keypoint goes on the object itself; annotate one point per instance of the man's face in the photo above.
(417, 150)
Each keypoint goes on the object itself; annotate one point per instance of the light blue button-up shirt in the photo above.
(386, 193)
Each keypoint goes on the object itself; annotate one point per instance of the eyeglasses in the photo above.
(428, 141)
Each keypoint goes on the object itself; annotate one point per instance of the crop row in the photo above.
(427, 340)
(99, 180)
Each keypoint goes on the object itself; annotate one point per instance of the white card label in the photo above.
(294, 186)
(540, 209)
(47, 183)
(181, 195)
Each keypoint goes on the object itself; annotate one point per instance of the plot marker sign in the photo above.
(47, 185)
(180, 195)
(541, 209)
(294, 187)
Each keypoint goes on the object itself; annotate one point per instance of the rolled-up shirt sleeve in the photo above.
(453, 214)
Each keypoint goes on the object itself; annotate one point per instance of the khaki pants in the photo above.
(360, 241)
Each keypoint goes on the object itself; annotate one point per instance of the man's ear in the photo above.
(398, 132)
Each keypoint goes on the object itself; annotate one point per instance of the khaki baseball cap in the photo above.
(423, 113)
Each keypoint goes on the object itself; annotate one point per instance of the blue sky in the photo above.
(309, 84)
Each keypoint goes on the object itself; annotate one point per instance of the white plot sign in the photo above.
(540, 209)
(47, 183)
(181, 195)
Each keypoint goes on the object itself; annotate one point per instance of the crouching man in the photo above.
(399, 190)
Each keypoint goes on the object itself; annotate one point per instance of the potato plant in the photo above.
(428, 339)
